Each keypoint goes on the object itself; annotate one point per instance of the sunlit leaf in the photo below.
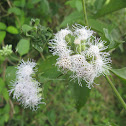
(2, 26)
(2, 35)
(23, 46)
(12, 30)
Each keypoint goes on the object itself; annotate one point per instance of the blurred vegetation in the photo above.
(29, 39)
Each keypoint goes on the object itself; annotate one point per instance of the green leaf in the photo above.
(10, 74)
(51, 117)
(120, 72)
(99, 4)
(72, 18)
(15, 10)
(26, 28)
(111, 6)
(20, 3)
(23, 46)
(2, 26)
(35, 1)
(5, 93)
(78, 5)
(93, 23)
(2, 36)
(79, 93)
(71, 3)
(12, 30)
(113, 43)
(48, 69)
(40, 38)
(45, 6)
(98, 25)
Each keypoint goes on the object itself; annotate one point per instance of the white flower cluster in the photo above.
(26, 89)
(80, 52)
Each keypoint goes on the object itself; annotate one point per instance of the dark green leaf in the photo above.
(120, 72)
(2, 36)
(80, 94)
(12, 30)
(2, 26)
(51, 117)
(111, 6)
(23, 46)
(48, 69)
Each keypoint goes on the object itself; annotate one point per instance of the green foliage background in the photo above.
(28, 25)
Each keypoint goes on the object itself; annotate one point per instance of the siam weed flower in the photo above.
(82, 53)
(26, 89)
(59, 44)
(64, 62)
(25, 69)
(81, 32)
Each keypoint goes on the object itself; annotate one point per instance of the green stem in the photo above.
(116, 92)
(85, 14)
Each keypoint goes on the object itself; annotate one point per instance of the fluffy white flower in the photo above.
(82, 69)
(83, 54)
(81, 32)
(26, 89)
(62, 34)
(27, 93)
(59, 44)
(64, 63)
(102, 64)
(25, 69)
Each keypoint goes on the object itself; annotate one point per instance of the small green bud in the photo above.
(7, 50)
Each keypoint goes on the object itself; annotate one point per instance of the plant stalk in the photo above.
(116, 92)
(85, 14)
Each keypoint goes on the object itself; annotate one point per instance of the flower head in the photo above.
(25, 69)
(81, 32)
(26, 89)
(83, 54)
